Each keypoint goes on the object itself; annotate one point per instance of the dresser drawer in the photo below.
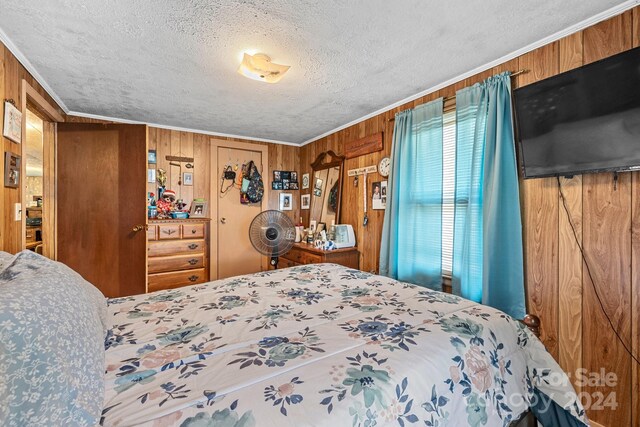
(302, 257)
(152, 232)
(176, 247)
(168, 231)
(171, 280)
(286, 263)
(193, 231)
(175, 263)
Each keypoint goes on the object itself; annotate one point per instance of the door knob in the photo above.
(137, 228)
(223, 220)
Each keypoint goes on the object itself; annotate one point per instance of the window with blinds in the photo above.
(448, 188)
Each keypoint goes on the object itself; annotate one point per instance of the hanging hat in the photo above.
(169, 193)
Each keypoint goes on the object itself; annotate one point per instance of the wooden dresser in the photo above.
(178, 253)
(302, 253)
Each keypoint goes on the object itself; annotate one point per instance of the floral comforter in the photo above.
(320, 345)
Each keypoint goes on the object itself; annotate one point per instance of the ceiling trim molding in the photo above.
(31, 69)
(616, 10)
(177, 128)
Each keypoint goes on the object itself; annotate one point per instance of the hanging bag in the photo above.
(255, 189)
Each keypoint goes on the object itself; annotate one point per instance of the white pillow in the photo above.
(52, 331)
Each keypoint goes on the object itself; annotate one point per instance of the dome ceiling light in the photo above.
(259, 67)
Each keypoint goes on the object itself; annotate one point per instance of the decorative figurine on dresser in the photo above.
(325, 240)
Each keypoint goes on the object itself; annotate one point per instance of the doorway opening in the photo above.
(38, 191)
(34, 182)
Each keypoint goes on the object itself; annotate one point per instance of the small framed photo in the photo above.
(321, 227)
(152, 157)
(11, 170)
(285, 184)
(293, 185)
(318, 184)
(187, 178)
(285, 175)
(277, 176)
(294, 176)
(199, 209)
(151, 176)
(305, 202)
(305, 181)
(286, 202)
(276, 185)
(379, 195)
(12, 123)
(317, 192)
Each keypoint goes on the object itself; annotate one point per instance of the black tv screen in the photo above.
(584, 120)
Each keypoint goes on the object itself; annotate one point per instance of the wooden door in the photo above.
(236, 255)
(101, 199)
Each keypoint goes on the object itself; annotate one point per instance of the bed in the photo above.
(315, 345)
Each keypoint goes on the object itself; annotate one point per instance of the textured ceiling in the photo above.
(174, 62)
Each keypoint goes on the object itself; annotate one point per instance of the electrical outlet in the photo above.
(18, 211)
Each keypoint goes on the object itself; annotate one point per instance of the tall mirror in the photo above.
(326, 188)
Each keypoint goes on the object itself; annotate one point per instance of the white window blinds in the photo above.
(448, 189)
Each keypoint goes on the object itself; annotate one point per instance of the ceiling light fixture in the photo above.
(259, 67)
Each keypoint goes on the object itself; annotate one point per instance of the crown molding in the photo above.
(616, 10)
(177, 128)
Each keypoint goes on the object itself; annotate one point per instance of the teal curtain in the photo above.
(487, 248)
(411, 246)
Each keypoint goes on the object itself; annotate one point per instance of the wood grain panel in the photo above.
(607, 243)
(570, 260)
(570, 277)
(635, 264)
(11, 75)
(12, 90)
(540, 213)
(3, 143)
(607, 37)
(607, 240)
(635, 293)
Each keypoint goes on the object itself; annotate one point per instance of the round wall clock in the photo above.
(385, 166)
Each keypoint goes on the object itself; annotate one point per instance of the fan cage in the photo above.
(270, 221)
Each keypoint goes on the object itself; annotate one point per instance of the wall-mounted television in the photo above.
(583, 121)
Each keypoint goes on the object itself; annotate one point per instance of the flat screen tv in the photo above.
(585, 120)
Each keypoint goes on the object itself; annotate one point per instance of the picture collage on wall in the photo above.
(285, 180)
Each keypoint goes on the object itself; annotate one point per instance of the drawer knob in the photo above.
(193, 278)
(169, 232)
(193, 231)
(193, 246)
(193, 261)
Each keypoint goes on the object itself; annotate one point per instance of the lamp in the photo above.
(259, 67)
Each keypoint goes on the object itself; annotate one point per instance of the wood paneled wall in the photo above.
(11, 75)
(187, 144)
(169, 142)
(606, 221)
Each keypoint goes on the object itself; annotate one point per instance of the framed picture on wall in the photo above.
(151, 176)
(305, 181)
(152, 157)
(286, 202)
(187, 178)
(199, 209)
(12, 123)
(11, 170)
(305, 202)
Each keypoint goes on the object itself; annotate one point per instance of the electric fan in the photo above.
(272, 234)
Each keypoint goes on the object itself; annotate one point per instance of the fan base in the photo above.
(274, 262)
